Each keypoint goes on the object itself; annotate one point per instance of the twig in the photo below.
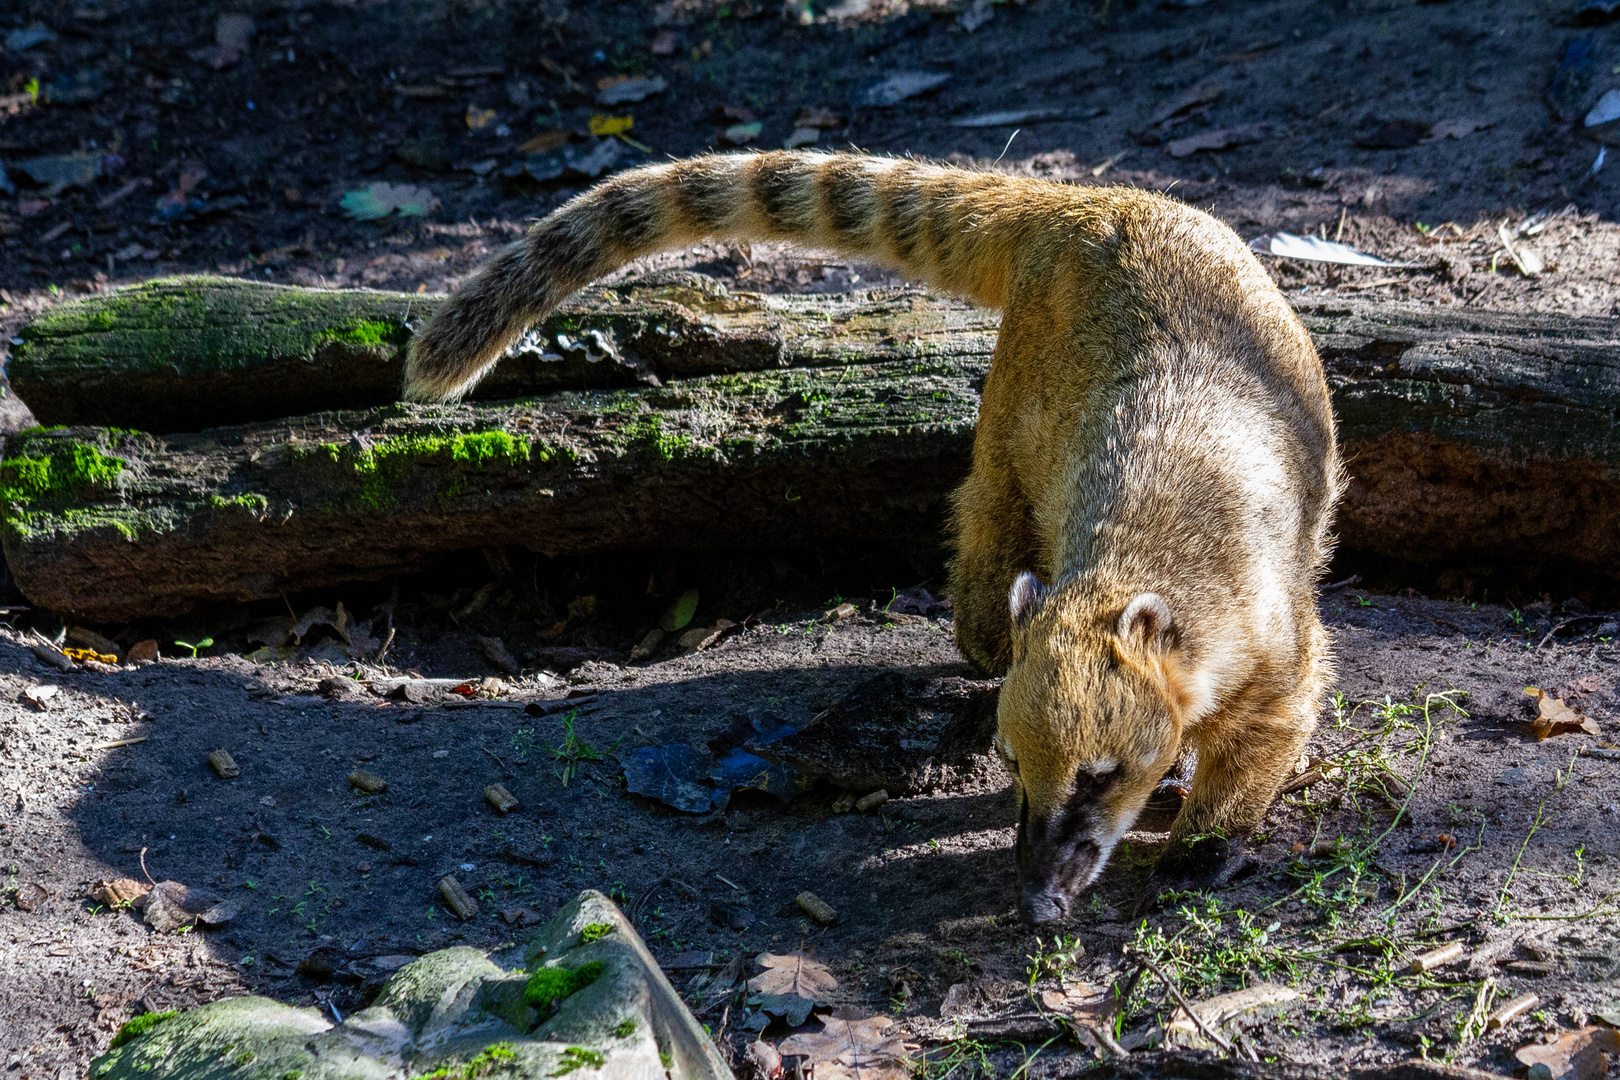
(646, 894)
(498, 761)
(1210, 1033)
(117, 743)
(144, 870)
(1345, 584)
(1106, 1037)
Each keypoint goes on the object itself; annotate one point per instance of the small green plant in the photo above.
(625, 1029)
(1580, 868)
(195, 649)
(1053, 962)
(573, 751)
(550, 985)
(578, 1057)
(491, 1058)
(140, 1025)
(595, 931)
(246, 1057)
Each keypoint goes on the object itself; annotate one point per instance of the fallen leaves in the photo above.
(1554, 717)
(1223, 139)
(377, 201)
(852, 1049)
(1574, 1055)
(1315, 249)
(790, 987)
(119, 893)
(623, 89)
(900, 86)
(170, 905)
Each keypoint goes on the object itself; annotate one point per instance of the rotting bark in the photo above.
(183, 354)
(1467, 435)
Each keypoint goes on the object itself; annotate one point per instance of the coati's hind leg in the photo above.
(1240, 768)
(995, 541)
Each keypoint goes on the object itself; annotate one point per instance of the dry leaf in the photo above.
(1451, 129)
(1574, 1055)
(791, 985)
(1224, 139)
(852, 1050)
(1591, 684)
(119, 893)
(1075, 999)
(1554, 717)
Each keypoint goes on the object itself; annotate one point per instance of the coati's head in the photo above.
(1089, 720)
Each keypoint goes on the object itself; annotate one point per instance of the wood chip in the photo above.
(867, 803)
(461, 905)
(120, 892)
(143, 652)
(817, 908)
(1240, 1008)
(502, 800)
(224, 765)
(844, 803)
(1437, 958)
(1505, 1014)
(369, 783)
(1536, 969)
(53, 657)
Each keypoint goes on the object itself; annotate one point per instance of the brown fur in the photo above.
(1155, 445)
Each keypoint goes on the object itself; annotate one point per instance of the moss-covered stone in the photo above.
(451, 1015)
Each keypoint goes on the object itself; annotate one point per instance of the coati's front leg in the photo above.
(994, 543)
(1242, 762)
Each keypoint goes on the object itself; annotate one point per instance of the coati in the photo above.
(1153, 480)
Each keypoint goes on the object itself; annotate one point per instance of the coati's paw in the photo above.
(1206, 863)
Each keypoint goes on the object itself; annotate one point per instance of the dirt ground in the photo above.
(1492, 848)
(1509, 844)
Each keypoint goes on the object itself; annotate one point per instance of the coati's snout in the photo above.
(1062, 851)
(1087, 727)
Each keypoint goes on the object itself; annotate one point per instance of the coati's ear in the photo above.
(1025, 598)
(1146, 624)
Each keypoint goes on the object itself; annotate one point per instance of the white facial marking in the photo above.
(1100, 766)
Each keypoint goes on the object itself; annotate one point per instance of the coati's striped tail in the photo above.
(955, 229)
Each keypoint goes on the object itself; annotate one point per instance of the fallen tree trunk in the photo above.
(183, 354)
(1468, 435)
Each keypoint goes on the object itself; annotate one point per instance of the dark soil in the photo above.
(329, 98)
(923, 885)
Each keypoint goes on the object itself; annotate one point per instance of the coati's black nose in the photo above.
(1041, 904)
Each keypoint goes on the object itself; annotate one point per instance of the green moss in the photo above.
(71, 469)
(577, 1057)
(140, 1025)
(625, 1029)
(383, 468)
(550, 985)
(493, 1057)
(246, 1057)
(595, 931)
(368, 332)
(253, 503)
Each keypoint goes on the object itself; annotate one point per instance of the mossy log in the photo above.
(183, 354)
(762, 421)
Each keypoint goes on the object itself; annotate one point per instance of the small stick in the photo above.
(1345, 584)
(498, 761)
(1104, 1036)
(1198, 1021)
(118, 742)
(144, 870)
(1506, 1014)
